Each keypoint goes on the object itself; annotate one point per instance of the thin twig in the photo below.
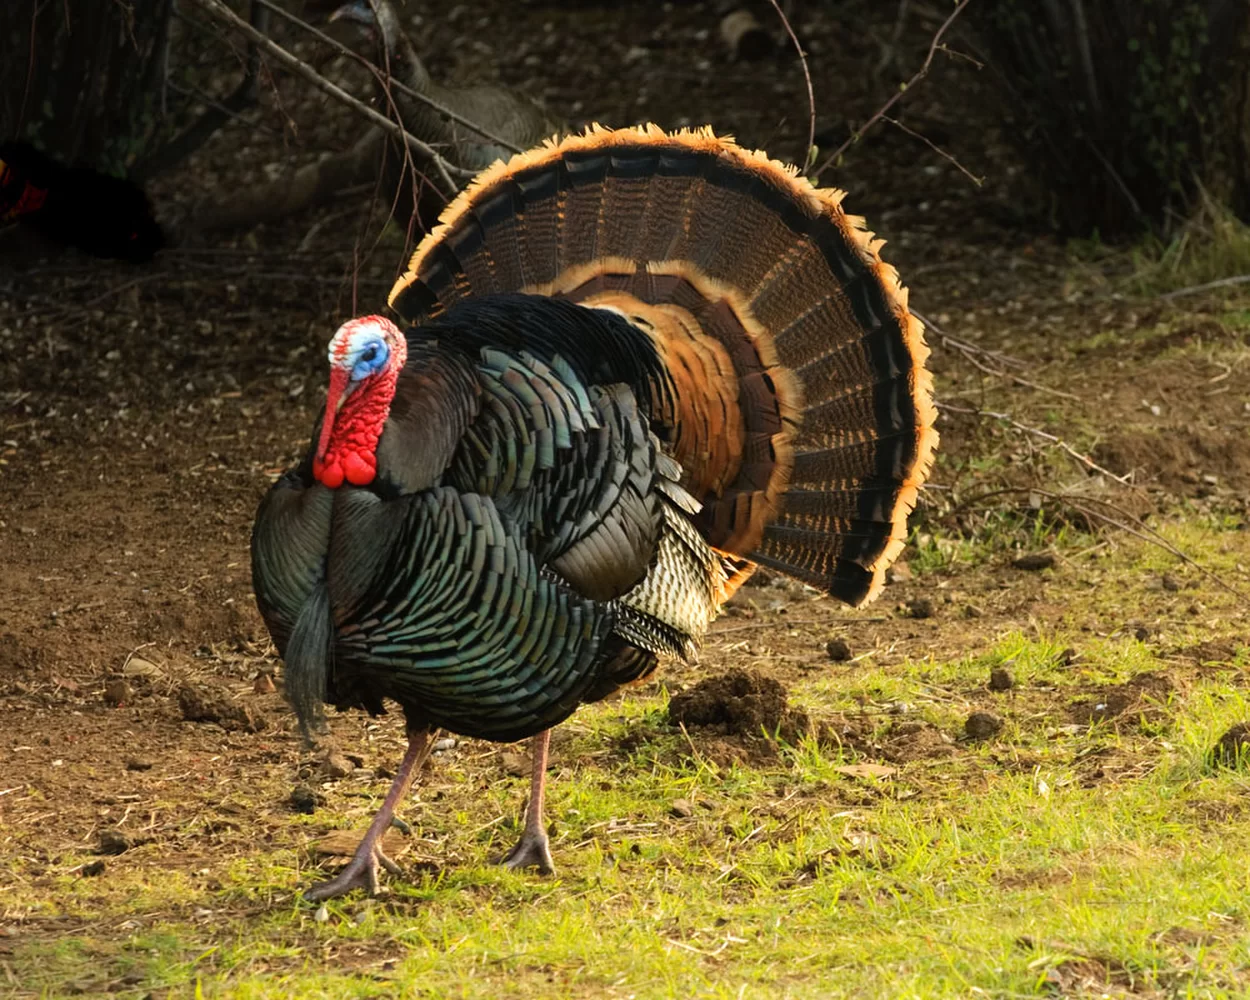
(972, 354)
(809, 153)
(399, 85)
(223, 14)
(885, 108)
(1237, 279)
(978, 181)
(1057, 442)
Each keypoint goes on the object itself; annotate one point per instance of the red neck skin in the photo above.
(348, 448)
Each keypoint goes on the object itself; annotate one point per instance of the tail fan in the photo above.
(803, 412)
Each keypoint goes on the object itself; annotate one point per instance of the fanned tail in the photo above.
(802, 414)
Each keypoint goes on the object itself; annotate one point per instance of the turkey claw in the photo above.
(361, 873)
(531, 851)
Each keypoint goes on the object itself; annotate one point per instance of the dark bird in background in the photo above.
(635, 366)
(76, 206)
(505, 113)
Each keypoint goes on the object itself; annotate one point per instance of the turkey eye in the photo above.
(370, 354)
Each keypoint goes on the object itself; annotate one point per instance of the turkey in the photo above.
(635, 366)
(503, 113)
(76, 206)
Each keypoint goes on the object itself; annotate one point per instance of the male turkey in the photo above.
(76, 206)
(636, 365)
(503, 113)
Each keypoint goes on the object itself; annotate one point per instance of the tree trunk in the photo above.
(80, 77)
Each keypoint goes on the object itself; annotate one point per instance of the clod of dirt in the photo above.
(1001, 679)
(739, 702)
(921, 607)
(1169, 583)
(982, 726)
(335, 765)
(516, 764)
(682, 808)
(204, 704)
(113, 842)
(1233, 748)
(263, 684)
(1034, 562)
(1067, 657)
(137, 764)
(900, 572)
(838, 650)
(303, 800)
(116, 691)
(93, 868)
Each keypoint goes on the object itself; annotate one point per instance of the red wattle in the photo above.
(359, 468)
(330, 475)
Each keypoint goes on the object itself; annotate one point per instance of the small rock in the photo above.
(138, 764)
(1141, 633)
(446, 743)
(1233, 748)
(1034, 562)
(203, 704)
(113, 842)
(116, 691)
(303, 800)
(982, 726)
(1001, 679)
(335, 765)
(1170, 583)
(93, 868)
(516, 764)
(900, 572)
(682, 808)
(972, 611)
(838, 650)
(323, 914)
(921, 607)
(263, 684)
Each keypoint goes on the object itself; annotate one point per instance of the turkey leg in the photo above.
(533, 850)
(362, 871)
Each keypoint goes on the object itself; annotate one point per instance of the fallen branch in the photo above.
(973, 354)
(1052, 439)
(978, 181)
(1237, 279)
(294, 191)
(885, 108)
(227, 17)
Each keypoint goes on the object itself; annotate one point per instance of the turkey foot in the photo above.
(362, 871)
(533, 849)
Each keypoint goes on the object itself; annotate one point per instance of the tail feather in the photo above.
(802, 413)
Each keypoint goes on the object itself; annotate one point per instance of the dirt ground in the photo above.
(143, 413)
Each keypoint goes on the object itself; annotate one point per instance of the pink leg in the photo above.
(533, 849)
(362, 871)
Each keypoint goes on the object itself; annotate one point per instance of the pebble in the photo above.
(982, 725)
(116, 691)
(113, 842)
(838, 650)
(303, 800)
(335, 765)
(682, 808)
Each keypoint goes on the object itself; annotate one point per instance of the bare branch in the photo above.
(978, 181)
(885, 108)
(1237, 279)
(808, 153)
(399, 85)
(223, 14)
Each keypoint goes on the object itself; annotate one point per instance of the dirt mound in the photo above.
(739, 703)
(1181, 461)
(1141, 698)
